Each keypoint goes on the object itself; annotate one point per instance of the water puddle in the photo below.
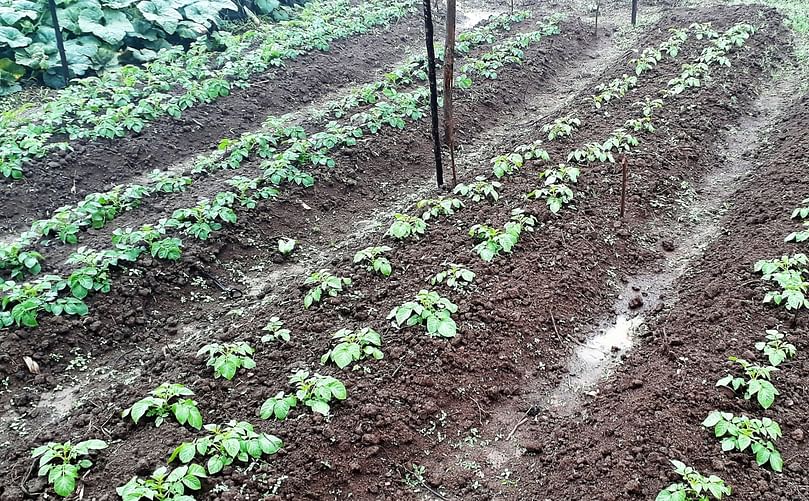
(469, 18)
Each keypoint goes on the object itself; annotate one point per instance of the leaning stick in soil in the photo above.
(449, 63)
(624, 167)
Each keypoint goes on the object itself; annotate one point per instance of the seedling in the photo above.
(430, 309)
(224, 444)
(316, 392)
(788, 272)
(456, 276)
(20, 262)
(377, 263)
(275, 331)
(555, 195)
(616, 88)
(323, 282)
(795, 236)
(481, 189)
(228, 358)
(159, 405)
(561, 127)
(278, 406)
(591, 152)
(61, 463)
(776, 348)
(649, 106)
(694, 487)
(163, 485)
(435, 207)
(640, 125)
(286, 245)
(406, 226)
(354, 346)
(741, 432)
(533, 151)
(493, 241)
(505, 165)
(757, 382)
(801, 212)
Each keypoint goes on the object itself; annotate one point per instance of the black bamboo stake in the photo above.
(60, 44)
(598, 8)
(625, 169)
(428, 32)
(634, 12)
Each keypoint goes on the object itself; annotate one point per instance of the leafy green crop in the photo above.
(430, 309)
(228, 358)
(505, 165)
(776, 348)
(377, 263)
(406, 226)
(561, 127)
(286, 245)
(224, 444)
(275, 331)
(555, 191)
(800, 213)
(456, 276)
(354, 346)
(481, 189)
(435, 207)
(741, 432)
(163, 485)
(493, 241)
(61, 463)
(791, 273)
(316, 392)
(694, 487)
(159, 405)
(323, 282)
(757, 382)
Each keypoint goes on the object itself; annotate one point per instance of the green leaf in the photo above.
(215, 465)
(319, 406)
(776, 462)
(232, 446)
(13, 37)
(187, 451)
(64, 485)
(109, 25)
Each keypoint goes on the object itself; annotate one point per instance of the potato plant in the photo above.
(791, 273)
(694, 487)
(505, 165)
(226, 359)
(353, 346)
(406, 226)
(429, 309)
(225, 444)
(164, 484)
(164, 401)
(373, 257)
(61, 463)
(275, 331)
(533, 151)
(795, 236)
(323, 282)
(436, 207)
(561, 127)
(456, 276)
(316, 392)
(615, 89)
(741, 432)
(481, 189)
(757, 382)
(776, 348)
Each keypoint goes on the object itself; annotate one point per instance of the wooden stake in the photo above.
(428, 33)
(624, 168)
(598, 9)
(634, 12)
(60, 43)
(449, 61)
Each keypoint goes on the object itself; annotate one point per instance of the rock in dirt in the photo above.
(636, 302)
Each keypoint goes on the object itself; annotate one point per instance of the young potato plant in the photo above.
(481, 189)
(456, 276)
(741, 432)
(694, 487)
(20, 262)
(493, 241)
(649, 106)
(323, 282)
(561, 127)
(533, 151)
(164, 485)
(776, 348)
(377, 263)
(228, 358)
(671, 47)
(591, 152)
(505, 165)
(757, 382)
(286, 245)
(225, 444)
(316, 392)
(436, 207)
(275, 331)
(61, 463)
(354, 346)
(788, 272)
(406, 226)
(555, 191)
(159, 405)
(643, 124)
(615, 89)
(429, 309)
(801, 212)
(647, 60)
(691, 75)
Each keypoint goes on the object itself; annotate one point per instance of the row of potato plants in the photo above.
(237, 441)
(128, 99)
(752, 380)
(23, 302)
(98, 209)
